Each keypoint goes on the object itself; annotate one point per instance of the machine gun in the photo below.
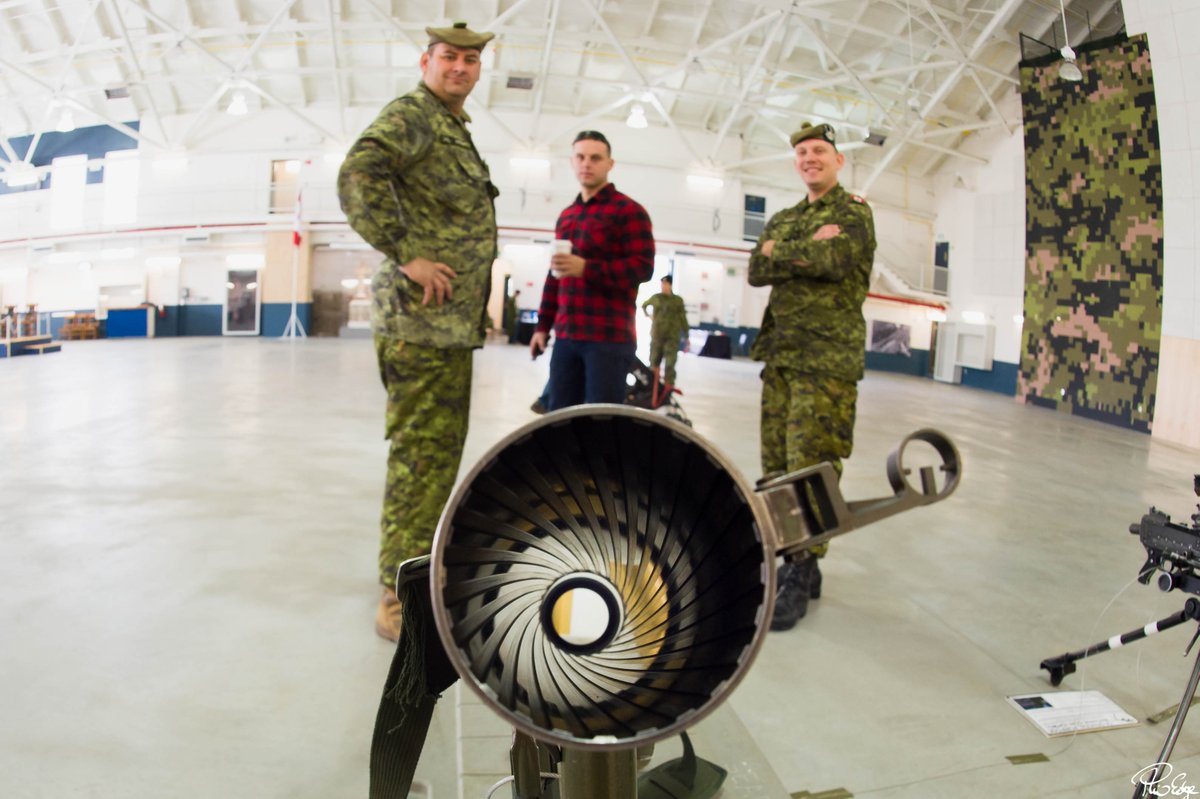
(603, 578)
(1172, 550)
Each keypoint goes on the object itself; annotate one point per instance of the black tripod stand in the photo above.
(1064, 664)
(1174, 551)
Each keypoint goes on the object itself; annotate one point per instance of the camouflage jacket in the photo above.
(814, 322)
(670, 316)
(414, 185)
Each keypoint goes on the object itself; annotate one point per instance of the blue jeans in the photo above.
(588, 371)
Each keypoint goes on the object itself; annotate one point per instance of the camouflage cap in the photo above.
(459, 35)
(811, 131)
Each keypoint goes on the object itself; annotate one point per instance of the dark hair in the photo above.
(592, 135)
(669, 279)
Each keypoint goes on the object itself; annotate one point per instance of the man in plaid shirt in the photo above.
(590, 295)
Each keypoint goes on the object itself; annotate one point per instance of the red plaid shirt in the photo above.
(612, 233)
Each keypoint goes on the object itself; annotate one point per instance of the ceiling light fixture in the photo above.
(237, 106)
(637, 117)
(1068, 70)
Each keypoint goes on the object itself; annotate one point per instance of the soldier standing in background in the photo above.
(415, 188)
(512, 316)
(817, 258)
(670, 322)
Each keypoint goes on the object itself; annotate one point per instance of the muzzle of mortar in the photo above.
(603, 577)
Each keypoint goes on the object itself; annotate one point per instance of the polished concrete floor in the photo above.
(187, 544)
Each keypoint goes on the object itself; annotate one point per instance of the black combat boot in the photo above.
(792, 593)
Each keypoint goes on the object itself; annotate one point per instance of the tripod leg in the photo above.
(1147, 783)
(1064, 664)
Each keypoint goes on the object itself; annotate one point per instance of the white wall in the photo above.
(226, 188)
(984, 219)
(981, 213)
(1173, 32)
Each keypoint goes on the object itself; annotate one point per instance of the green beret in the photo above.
(459, 35)
(811, 131)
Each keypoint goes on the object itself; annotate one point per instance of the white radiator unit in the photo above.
(960, 345)
(197, 236)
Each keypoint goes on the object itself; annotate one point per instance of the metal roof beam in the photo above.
(547, 52)
(507, 14)
(387, 17)
(749, 82)
(132, 56)
(947, 151)
(647, 88)
(334, 44)
(236, 73)
(1001, 16)
(847, 71)
(62, 82)
(957, 129)
(121, 126)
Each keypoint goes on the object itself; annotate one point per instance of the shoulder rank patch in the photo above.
(858, 199)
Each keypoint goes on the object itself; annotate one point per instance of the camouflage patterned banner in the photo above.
(1094, 237)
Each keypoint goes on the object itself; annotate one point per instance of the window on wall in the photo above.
(941, 267)
(755, 218)
(121, 171)
(285, 183)
(67, 186)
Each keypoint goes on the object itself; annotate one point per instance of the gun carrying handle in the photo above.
(806, 507)
(928, 492)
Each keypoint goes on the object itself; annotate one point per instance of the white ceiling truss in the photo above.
(924, 75)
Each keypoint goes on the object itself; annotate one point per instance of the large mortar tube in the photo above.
(640, 519)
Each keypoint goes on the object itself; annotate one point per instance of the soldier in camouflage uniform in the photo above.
(415, 188)
(817, 258)
(670, 322)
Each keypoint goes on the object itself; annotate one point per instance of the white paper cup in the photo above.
(561, 247)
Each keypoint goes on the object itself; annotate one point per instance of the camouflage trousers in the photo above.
(666, 349)
(806, 419)
(428, 403)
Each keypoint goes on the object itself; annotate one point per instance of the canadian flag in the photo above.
(296, 236)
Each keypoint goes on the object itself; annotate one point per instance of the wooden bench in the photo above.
(80, 326)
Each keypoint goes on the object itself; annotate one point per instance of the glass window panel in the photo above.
(121, 171)
(67, 185)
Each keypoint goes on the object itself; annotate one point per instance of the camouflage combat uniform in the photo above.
(414, 185)
(670, 322)
(812, 339)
